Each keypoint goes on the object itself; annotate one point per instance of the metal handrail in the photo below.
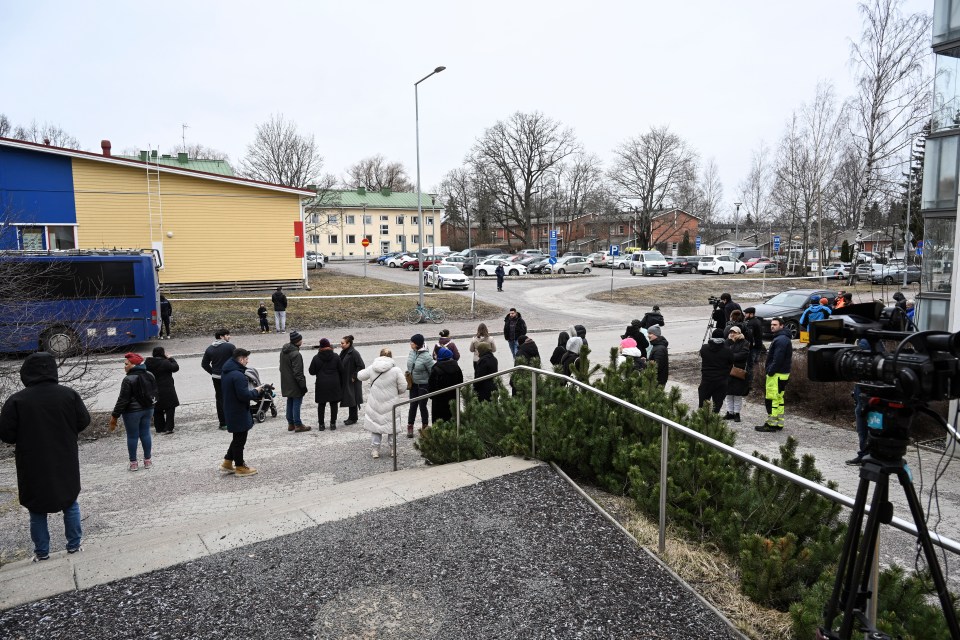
(666, 424)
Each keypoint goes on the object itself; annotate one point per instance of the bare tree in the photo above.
(376, 173)
(316, 219)
(281, 155)
(651, 169)
(201, 152)
(469, 204)
(892, 92)
(755, 188)
(711, 190)
(514, 157)
(47, 133)
(5, 126)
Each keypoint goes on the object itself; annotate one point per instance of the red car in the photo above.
(753, 261)
(414, 265)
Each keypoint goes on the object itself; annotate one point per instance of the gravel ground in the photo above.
(522, 556)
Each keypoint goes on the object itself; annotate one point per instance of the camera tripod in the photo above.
(851, 588)
(711, 325)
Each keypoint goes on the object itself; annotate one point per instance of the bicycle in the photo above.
(420, 313)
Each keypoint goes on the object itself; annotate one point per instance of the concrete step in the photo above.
(108, 558)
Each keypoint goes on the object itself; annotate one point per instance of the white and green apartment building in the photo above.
(336, 222)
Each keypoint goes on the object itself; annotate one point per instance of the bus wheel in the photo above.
(59, 341)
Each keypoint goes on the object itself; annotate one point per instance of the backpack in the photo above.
(145, 390)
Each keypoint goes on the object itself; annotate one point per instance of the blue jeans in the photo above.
(513, 347)
(71, 529)
(137, 424)
(293, 411)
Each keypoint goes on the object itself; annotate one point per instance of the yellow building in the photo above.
(212, 231)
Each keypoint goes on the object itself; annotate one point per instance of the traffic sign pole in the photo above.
(366, 243)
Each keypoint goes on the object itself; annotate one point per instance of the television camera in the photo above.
(924, 367)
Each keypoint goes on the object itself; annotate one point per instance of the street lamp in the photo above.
(364, 239)
(737, 235)
(416, 112)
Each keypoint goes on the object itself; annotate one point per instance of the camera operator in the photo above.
(779, 360)
(728, 307)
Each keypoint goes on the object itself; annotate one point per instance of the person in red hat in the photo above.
(138, 394)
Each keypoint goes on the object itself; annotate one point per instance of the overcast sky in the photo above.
(723, 75)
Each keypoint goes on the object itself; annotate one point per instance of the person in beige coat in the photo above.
(483, 335)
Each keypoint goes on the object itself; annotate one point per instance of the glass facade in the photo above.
(946, 21)
(940, 167)
(946, 94)
(939, 235)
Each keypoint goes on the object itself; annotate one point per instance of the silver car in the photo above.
(570, 264)
(445, 276)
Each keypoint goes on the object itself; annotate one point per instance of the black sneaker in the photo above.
(38, 558)
(767, 428)
(75, 550)
(855, 462)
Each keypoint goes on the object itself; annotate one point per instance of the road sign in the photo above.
(776, 244)
(614, 250)
(365, 242)
(919, 247)
(553, 235)
(698, 242)
(552, 260)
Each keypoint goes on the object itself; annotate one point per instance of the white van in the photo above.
(648, 263)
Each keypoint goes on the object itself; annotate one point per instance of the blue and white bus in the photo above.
(65, 302)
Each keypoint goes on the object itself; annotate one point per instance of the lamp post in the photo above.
(737, 234)
(416, 112)
(364, 239)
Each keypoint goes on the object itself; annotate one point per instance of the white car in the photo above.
(397, 261)
(445, 276)
(720, 265)
(315, 260)
(598, 259)
(453, 261)
(570, 264)
(764, 267)
(489, 266)
(649, 263)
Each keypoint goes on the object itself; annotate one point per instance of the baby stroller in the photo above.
(259, 407)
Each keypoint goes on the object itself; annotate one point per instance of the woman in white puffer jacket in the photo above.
(387, 387)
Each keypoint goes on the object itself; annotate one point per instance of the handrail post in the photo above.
(458, 423)
(533, 414)
(664, 446)
(394, 438)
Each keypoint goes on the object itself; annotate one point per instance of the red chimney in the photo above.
(105, 145)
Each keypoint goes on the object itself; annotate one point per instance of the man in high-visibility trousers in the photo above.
(779, 359)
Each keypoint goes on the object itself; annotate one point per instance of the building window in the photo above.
(430, 239)
(351, 238)
(333, 238)
(367, 219)
(350, 220)
(940, 169)
(399, 219)
(384, 218)
(415, 239)
(369, 238)
(621, 230)
(384, 229)
(315, 218)
(938, 238)
(673, 247)
(414, 220)
(946, 20)
(429, 220)
(314, 239)
(332, 218)
(400, 239)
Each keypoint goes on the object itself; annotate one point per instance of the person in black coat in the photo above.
(486, 365)
(756, 334)
(716, 359)
(528, 354)
(660, 354)
(329, 387)
(352, 388)
(651, 318)
(514, 326)
(166, 310)
(43, 421)
(633, 331)
(445, 373)
(500, 273)
(163, 369)
(561, 349)
(737, 388)
(237, 396)
(728, 306)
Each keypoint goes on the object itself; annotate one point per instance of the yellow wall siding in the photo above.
(221, 231)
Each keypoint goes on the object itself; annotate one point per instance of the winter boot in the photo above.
(730, 416)
(736, 417)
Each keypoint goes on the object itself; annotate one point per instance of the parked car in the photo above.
(720, 265)
(489, 266)
(454, 261)
(568, 254)
(382, 260)
(532, 252)
(838, 271)
(414, 264)
(315, 260)
(538, 265)
(597, 259)
(752, 262)
(618, 262)
(890, 274)
(648, 263)
(445, 276)
(684, 264)
(764, 267)
(789, 305)
(569, 264)
(396, 261)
